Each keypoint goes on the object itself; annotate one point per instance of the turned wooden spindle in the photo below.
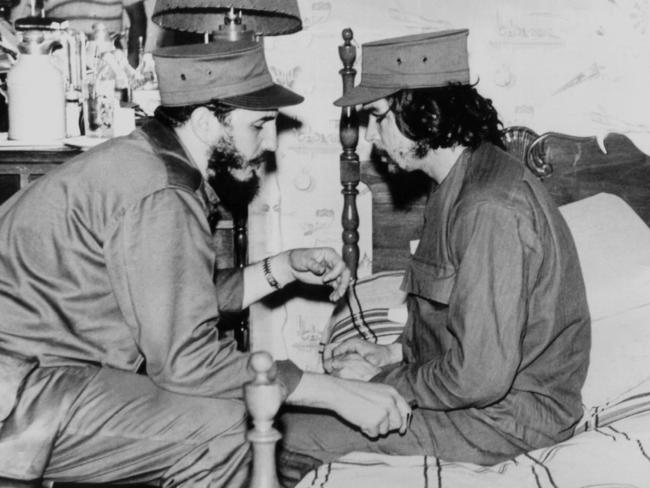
(263, 398)
(349, 160)
(240, 222)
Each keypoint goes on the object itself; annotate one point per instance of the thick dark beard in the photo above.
(382, 157)
(234, 193)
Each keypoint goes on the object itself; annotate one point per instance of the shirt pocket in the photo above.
(429, 280)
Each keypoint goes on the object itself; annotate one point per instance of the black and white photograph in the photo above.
(324, 243)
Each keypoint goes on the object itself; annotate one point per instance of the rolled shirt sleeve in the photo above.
(496, 261)
(160, 258)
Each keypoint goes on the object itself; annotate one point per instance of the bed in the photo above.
(603, 188)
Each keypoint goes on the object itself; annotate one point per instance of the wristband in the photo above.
(266, 267)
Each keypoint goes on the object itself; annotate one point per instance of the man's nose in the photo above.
(372, 135)
(270, 138)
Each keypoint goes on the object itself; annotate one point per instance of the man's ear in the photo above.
(205, 125)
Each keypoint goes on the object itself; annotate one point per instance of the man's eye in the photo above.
(380, 117)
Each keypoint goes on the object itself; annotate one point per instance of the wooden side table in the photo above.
(19, 167)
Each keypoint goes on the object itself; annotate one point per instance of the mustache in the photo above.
(259, 161)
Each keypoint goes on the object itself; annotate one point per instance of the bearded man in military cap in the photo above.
(111, 367)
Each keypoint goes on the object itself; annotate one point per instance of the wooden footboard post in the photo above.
(263, 399)
(349, 160)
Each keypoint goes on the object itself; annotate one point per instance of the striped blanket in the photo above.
(374, 309)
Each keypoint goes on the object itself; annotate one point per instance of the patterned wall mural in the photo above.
(579, 66)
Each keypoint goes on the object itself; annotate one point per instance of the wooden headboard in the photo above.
(572, 168)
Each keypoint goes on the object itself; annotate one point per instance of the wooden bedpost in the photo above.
(240, 223)
(263, 399)
(349, 160)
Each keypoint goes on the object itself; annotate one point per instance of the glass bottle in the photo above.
(110, 87)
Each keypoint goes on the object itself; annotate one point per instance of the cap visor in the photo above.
(269, 98)
(363, 94)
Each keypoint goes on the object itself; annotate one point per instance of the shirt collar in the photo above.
(209, 193)
(171, 149)
(446, 191)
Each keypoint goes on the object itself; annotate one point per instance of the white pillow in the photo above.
(619, 364)
(614, 250)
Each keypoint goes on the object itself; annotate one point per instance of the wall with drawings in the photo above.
(581, 67)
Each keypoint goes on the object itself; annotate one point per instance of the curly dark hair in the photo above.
(445, 116)
(177, 116)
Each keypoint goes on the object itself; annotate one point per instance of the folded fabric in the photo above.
(373, 309)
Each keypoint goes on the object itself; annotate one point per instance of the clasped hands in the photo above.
(357, 359)
(380, 408)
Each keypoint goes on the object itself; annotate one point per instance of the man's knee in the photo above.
(310, 440)
(222, 455)
(225, 418)
(229, 451)
(311, 432)
(232, 437)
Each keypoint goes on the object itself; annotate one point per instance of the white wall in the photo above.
(577, 66)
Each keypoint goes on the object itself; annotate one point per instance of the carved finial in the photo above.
(263, 395)
(263, 399)
(262, 363)
(348, 52)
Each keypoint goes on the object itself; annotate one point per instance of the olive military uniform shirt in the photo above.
(497, 342)
(108, 260)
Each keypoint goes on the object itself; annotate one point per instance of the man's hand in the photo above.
(375, 408)
(318, 265)
(335, 354)
(351, 366)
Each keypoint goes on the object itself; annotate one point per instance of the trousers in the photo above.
(314, 438)
(465, 435)
(97, 425)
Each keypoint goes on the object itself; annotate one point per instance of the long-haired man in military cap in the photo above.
(107, 270)
(496, 346)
